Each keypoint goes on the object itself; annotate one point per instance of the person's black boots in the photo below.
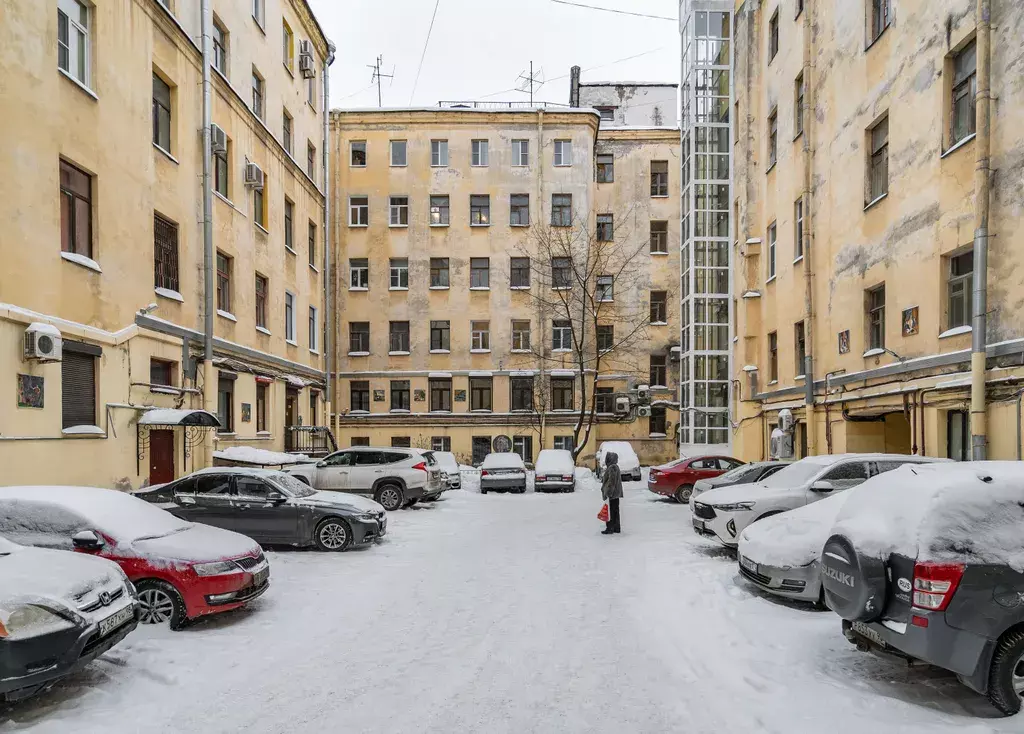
(607, 531)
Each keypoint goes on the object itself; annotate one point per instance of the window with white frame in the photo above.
(480, 210)
(439, 152)
(520, 335)
(400, 273)
(399, 153)
(561, 336)
(289, 317)
(220, 48)
(399, 211)
(961, 281)
(358, 211)
(359, 273)
(161, 113)
(440, 208)
(798, 228)
(480, 336)
(605, 288)
(313, 329)
(441, 443)
(480, 153)
(520, 152)
(563, 152)
(962, 121)
(74, 54)
(563, 442)
(357, 154)
(258, 93)
(259, 11)
(772, 236)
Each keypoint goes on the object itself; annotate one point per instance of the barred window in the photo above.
(165, 253)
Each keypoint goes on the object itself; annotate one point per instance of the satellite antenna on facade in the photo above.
(531, 82)
(377, 76)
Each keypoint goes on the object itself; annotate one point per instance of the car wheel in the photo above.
(682, 495)
(333, 534)
(160, 603)
(1006, 676)
(483, 491)
(390, 496)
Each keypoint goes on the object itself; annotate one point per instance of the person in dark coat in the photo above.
(611, 492)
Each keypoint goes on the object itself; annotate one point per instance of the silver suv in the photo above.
(394, 477)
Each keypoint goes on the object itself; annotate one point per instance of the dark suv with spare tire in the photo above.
(931, 572)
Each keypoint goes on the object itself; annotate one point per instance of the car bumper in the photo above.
(550, 485)
(499, 483)
(364, 533)
(660, 488)
(725, 527)
(801, 582)
(214, 594)
(633, 475)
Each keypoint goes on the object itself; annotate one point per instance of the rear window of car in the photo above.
(213, 484)
(369, 458)
(391, 457)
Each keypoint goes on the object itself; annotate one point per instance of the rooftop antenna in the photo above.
(531, 83)
(377, 76)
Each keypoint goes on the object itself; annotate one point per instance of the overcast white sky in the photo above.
(479, 47)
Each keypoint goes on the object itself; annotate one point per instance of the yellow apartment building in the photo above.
(102, 289)
(444, 219)
(860, 128)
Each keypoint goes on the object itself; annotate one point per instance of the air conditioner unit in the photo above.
(253, 176)
(218, 139)
(622, 404)
(643, 411)
(643, 394)
(43, 343)
(307, 65)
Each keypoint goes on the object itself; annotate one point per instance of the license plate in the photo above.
(699, 525)
(748, 564)
(260, 577)
(862, 629)
(114, 621)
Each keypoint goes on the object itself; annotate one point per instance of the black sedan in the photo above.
(272, 508)
(58, 612)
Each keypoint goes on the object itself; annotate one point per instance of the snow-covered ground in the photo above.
(509, 613)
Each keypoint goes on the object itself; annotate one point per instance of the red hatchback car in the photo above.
(181, 570)
(676, 478)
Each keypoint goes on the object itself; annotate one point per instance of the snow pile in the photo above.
(50, 573)
(195, 544)
(447, 461)
(503, 461)
(628, 460)
(795, 538)
(966, 513)
(168, 416)
(555, 461)
(259, 457)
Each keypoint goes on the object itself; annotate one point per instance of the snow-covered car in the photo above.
(629, 462)
(927, 564)
(504, 472)
(742, 474)
(450, 466)
(555, 471)
(723, 513)
(181, 570)
(58, 612)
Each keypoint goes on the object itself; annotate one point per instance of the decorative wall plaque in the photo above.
(844, 342)
(30, 391)
(910, 321)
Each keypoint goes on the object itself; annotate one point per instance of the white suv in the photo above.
(392, 476)
(723, 513)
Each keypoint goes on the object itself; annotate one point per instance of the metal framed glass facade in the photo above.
(705, 292)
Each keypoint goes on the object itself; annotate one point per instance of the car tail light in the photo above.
(542, 478)
(656, 472)
(3, 631)
(919, 621)
(935, 584)
(567, 479)
(422, 466)
(484, 472)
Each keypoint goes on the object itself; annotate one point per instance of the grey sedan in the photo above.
(272, 508)
(743, 474)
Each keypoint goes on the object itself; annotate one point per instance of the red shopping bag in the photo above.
(603, 514)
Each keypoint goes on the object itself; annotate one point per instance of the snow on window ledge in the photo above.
(169, 294)
(165, 390)
(750, 368)
(521, 351)
(800, 377)
(658, 323)
(85, 262)
(657, 435)
(83, 431)
(359, 354)
(437, 288)
(263, 330)
(226, 315)
(399, 353)
(479, 351)
(480, 288)
(291, 342)
(440, 351)
(956, 331)
(358, 289)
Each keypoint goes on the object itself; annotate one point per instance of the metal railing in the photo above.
(488, 105)
(309, 440)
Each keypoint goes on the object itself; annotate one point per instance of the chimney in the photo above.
(574, 87)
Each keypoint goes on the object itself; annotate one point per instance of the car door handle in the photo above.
(378, 471)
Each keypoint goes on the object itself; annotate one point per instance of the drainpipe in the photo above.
(209, 374)
(1020, 395)
(808, 119)
(328, 273)
(982, 173)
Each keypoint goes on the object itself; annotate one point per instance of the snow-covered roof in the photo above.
(555, 460)
(178, 417)
(258, 456)
(244, 471)
(503, 461)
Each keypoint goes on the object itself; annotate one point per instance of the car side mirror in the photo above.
(185, 500)
(822, 485)
(321, 464)
(275, 497)
(88, 540)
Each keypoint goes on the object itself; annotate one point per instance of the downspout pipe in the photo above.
(808, 151)
(206, 11)
(328, 272)
(982, 182)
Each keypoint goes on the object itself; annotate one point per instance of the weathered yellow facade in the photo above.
(416, 236)
(876, 170)
(94, 109)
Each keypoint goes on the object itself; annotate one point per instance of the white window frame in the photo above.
(397, 210)
(220, 40)
(359, 275)
(438, 153)
(480, 153)
(353, 208)
(521, 152)
(480, 336)
(522, 339)
(289, 317)
(773, 238)
(259, 12)
(398, 274)
(393, 148)
(605, 288)
(78, 35)
(351, 154)
(563, 153)
(314, 329)
(561, 337)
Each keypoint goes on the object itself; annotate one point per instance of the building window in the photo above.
(358, 211)
(311, 88)
(605, 337)
(605, 227)
(261, 407)
(958, 435)
(561, 336)
(965, 87)
(259, 11)
(359, 337)
(314, 402)
(261, 301)
(479, 153)
(607, 114)
(659, 238)
(165, 253)
(161, 114)
(522, 393)
(563, 152)
(523, 445)
(439, 211)
(401, 442)
(520, 335)
(561, 210)
(439, 272)
(481, 447)
(519, 210)
(605, 168)
(605, 288)
(878, 163)
(287, 46)
(400, 395)
(659, 370)
(357, 154)
(773, 356)
(223, 282)
(480, 393)
(520, 152)
(311, 161)
(880, 12)
(289, 317)
(561, 272)
(399, 275)
(359, 441)
(399, 153)
(480, 336)
(798, 228)
(439, 152)
(220, 48)
(441, 395)
(221, 171)
(876, 317)
(480, 210)
(659, 307)
(562, 389)
(289, 225)
(798, 106)
(359, 391)
(226, 404)
(479, 272)
(773, 137)
(773, 36)
(441, 443)
(259, 206)
(286, 132)
(258, 93)
(161, 373)
(75, 210)
(961, 284)
(604, 400)
(398, 337)
(772, 241)
(359, 273)
(399, 211)
(440, 336)
(73, 45)
(563, 442)
(519, 272)
(311, 242)
(656, 425)
(799, 347)
(314, 330)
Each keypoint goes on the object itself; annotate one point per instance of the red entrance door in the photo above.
(161, 457)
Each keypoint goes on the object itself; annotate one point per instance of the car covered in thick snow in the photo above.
(927, 564)
(555, 471)
(181, 570)
(450, 466)
(629, 462)
(742, 474)
(503, 472)
(272, 508)
(58, 612)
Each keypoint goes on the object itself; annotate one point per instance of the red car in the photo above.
(181, 570)
(676, 479)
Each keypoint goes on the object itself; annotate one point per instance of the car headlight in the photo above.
(735, 506)
(216, 568)
(32, 621)
(368, 517)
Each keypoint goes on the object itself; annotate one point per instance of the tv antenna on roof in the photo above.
(532, 82)
(377, 76)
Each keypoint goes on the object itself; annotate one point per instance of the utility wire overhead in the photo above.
(613, 10)
(424, 54)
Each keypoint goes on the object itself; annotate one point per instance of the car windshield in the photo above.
(737, 472)
(6, 547)
(291, 486)
(794, 475)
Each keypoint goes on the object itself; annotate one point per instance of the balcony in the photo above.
(312, 441)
